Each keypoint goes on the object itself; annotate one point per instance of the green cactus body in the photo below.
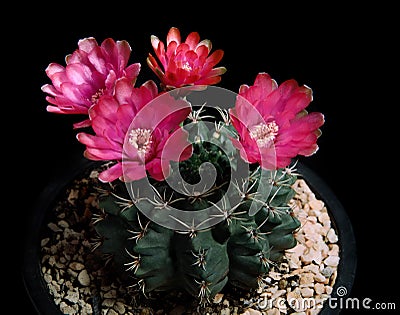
(237, 251)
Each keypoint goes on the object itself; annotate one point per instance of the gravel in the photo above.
(81, 283)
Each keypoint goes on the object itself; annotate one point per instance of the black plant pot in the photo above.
(37, 289)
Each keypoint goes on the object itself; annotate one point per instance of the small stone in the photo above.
(278, 294)
(59, 265)
(307, 292)
(108, 303)
(218, 298)
(77, 266)
(119, 307)
(111, 312)
(331, 236)
(146, 311)
(44, 242)
(54, 288)
(66, 309)
(282, 284)
(73, 195)
(324, 218)
(47, 277)
(298, 250)
(334, 250)
(54, 227)
(306, 279)
(253, 312)
(111, 294)
(87, 309)
(310, 256)
(275, 275)
(273, 311)
(294, 264)
(63, 224)
(268, 280)
(328, 289)
(72, 296)
(69, 285)
(332, 261)
(313, 268)
(312, 237)
(319, 277)
(83, 278)
(319, 288)
(312, 219)
(225, 311)
(52, 261)
(94, 174)
(323, 248)
(316, 204)
(327, 271)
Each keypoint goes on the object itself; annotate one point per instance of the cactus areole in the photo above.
(200, 177)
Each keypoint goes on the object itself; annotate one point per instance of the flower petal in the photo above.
(192, 40)
(133, 170)
(158, 169)
(111, 174)
(173, 35)
(177, 147)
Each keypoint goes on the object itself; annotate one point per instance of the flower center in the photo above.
(187, 66)
(264, 134)
(141, 140)
(95, 97)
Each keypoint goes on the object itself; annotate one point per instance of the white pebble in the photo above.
(331, 236)
(332, 261)
(83, 278)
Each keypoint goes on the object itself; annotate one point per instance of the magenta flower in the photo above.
(90, 72)
(185, 63)
(272, 122)
(132, 128)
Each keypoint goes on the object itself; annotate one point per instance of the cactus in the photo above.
(230, 229)
(237, 251)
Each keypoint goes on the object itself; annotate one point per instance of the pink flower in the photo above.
(132, 129)
(272, 122)
(90, 72)
(185, 63)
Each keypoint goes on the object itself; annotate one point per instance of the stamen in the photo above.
(95, 97)
(264, 134)
(187, 66)
(141, 139)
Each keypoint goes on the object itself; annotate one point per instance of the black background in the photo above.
(344, 53)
